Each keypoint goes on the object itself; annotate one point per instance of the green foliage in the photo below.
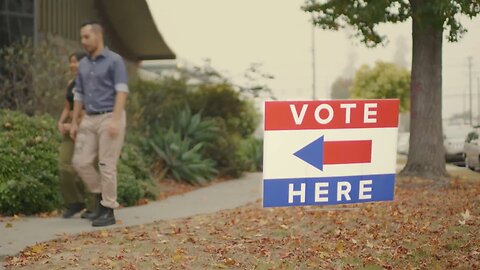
(226, 151)
(27, 195)
(429, 20)
(129, 188)
(237, 118)
(180, 147)
(132, 156)
(182, 159)
(384, 80)
(252, 151)
(28, 164)
(222, 101)
(33, 79)
(152, 103)
(365, 16)
(134, 179)
(193, 127)
(227, 117)
(341, 88)
(28, 167)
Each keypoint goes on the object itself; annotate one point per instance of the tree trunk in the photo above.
(426, 157)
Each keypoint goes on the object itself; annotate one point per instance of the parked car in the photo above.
(472, 150)
(453, 141)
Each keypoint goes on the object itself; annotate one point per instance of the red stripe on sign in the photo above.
(333, 114)
(347, 152)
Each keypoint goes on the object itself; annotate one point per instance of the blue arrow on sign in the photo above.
(321, 152)
(312, 153)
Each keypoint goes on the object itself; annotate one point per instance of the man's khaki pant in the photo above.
(93, 140)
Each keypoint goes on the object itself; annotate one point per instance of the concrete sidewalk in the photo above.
(226, 195)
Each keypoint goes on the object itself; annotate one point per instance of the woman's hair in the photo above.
(78, 55)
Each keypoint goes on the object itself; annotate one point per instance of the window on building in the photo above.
(16, 20)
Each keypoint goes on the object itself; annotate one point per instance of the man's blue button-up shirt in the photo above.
(99, 79)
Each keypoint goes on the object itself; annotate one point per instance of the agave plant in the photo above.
(193, 127)
(182, 159)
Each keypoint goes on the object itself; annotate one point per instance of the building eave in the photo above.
(136, 28)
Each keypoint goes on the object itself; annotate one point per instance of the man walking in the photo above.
(101, 88)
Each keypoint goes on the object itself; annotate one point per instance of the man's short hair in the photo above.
(96, 26)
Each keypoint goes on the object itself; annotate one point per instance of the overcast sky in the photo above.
(234, 34)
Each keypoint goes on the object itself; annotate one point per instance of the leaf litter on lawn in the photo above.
(420, 229)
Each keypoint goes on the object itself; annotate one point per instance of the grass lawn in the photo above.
(423, 228)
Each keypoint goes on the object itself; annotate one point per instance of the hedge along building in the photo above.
(129, 27)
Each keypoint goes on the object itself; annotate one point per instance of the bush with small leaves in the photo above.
(29, 181)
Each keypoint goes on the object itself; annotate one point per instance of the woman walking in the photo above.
(71, 186)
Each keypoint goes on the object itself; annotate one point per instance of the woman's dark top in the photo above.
(69, 94)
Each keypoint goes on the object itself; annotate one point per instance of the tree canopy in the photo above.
(430, 20)
(365, 16)
(384, 80)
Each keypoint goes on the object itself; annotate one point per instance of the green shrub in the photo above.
(181, 159)
(237, 118)
(252, 152)
(28, 164)
(27, 195)
(233, 117)
(132, 157)
(223, 101)
(225, 151)
(152, 103)
(129, 189)
(28, 167)
(33, 79)
(134, 178)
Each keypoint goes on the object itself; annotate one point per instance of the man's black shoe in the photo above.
(106, 217)
(96, 213)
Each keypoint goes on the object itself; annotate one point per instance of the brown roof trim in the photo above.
(133, 24)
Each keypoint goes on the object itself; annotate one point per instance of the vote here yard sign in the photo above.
(329, 152)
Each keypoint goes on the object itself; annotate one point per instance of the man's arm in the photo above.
(120, 100)
(121, 87)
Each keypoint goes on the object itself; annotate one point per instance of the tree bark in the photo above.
(426, 157)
